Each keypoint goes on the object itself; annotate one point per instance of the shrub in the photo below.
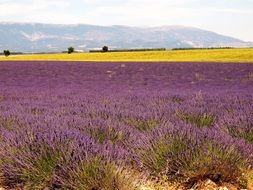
(244, 132)
(217, 163)
(95, 174)
(32, 159)
(70, 50)
(10, 123)
(31, 170)
(199, 120)
(105, 49)
(7, 53)
(102, 134)
(160, 155)
(183, 160)
(142, 124)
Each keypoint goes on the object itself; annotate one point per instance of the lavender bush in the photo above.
(66, 125)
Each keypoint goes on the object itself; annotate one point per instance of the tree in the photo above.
(7, 53)
(105, 49)
(70, 50)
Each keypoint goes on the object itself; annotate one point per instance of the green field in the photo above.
(215, 55)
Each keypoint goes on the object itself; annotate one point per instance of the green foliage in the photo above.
(101, 134)
(161, 156)
(130, 50)
(248, 136)
(10, 123)
(241, 132)
(199, 120)
(96, 174)
(6, 123)
(105, 49)
(211, 48)
(179, 160)
(41, 171)
(35, 170)
(7, 53)
(70, 50)
(213, 162)
(142, 124)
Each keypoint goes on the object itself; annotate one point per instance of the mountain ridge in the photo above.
(39, 37)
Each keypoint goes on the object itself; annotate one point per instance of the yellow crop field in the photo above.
(214, 55)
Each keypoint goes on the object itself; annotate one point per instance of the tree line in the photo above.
(69, 51)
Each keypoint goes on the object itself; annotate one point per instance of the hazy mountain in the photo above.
(32, 37)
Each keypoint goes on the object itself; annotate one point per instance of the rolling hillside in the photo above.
(31, 37)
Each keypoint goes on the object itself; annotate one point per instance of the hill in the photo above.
(35, 37)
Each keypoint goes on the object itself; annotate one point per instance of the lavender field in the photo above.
(125, 126)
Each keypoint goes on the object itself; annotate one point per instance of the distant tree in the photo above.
(70, 50)
(105, 49)
(7, 53)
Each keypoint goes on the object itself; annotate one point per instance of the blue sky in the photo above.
(229, 17)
